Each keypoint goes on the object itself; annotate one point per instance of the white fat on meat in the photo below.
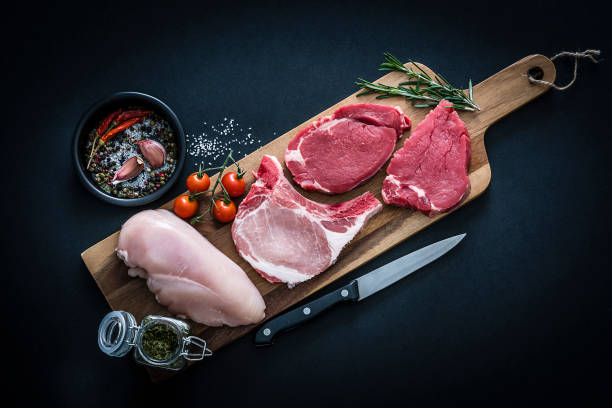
(432, 166)
(287, 238)
(338, 152)
(186, 272)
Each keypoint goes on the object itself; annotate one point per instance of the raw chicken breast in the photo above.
(186, 272)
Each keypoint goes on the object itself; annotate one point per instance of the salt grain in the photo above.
(211, 146)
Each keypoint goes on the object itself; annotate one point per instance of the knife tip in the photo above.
(458, 238)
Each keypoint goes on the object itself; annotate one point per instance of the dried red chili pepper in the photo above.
(132, 114)
(106, 122)
(120, 128)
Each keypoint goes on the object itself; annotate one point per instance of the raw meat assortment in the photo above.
(337, 153)
(186, 272)
(429, 173)
(288, 238)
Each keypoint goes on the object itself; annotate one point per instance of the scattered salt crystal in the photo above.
(211, 146)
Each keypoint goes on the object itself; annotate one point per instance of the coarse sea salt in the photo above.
(214, 143)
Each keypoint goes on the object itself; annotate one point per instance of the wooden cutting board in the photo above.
(497, 96)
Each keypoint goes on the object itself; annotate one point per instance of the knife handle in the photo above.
(297, 316)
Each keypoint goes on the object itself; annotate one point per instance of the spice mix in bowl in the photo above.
(129, 148)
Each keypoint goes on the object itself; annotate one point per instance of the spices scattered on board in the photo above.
(116, 151)
(211, 146)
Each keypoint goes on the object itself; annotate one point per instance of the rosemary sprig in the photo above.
(422, 90)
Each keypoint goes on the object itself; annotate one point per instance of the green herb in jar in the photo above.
(159, 342)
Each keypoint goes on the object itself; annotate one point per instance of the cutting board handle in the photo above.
(510, 89)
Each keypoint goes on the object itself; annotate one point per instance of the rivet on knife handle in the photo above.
(297, 316)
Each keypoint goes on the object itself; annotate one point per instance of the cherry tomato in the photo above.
(185, 208)
(196, 184)
(233, 184)
(224, 212)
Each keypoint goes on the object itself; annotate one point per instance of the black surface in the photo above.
(519, 313)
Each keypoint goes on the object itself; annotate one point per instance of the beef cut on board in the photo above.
(338, 152)
(430, 172)
(288, 238)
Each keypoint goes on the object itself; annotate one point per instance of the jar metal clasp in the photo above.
(198, 342)
(133, 342)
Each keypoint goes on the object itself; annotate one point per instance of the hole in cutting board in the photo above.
(536, 73)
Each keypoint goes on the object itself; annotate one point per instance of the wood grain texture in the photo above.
(497, 96)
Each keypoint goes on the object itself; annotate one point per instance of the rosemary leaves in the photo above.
(421, 89)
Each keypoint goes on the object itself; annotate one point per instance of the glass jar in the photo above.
(119, 332)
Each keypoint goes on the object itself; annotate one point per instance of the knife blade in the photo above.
(358, 289)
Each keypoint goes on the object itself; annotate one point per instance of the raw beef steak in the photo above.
(429, 173)
(336, 153)
(288, 238)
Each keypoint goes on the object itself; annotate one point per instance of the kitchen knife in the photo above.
(358, 289)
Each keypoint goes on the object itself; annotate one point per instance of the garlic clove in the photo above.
(153, 151)
(130, 169)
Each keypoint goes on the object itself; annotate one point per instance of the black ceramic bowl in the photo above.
(96, 113)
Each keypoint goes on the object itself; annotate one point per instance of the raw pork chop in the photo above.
(337, 153)
(429, 172)
(288, 238)
(186, 272)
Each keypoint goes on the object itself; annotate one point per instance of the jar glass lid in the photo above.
(116, 333)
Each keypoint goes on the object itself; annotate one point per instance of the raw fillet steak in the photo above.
(186, 272)
(429, 173)
(336, 153)
(288, 238)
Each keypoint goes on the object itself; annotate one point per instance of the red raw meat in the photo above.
(288, 238)
(429, 173)
(336, 153)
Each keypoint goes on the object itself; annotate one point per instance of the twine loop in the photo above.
(590, 54)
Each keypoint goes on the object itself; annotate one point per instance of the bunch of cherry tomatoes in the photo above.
(222, 209)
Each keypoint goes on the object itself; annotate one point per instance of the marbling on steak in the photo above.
(336, 153)
(288, 238)
(429, 173)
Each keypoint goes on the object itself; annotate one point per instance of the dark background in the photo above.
(518, 313)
